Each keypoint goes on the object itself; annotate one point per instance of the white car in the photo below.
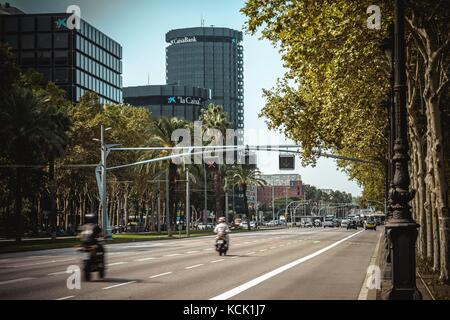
(328, 223)
(344, 223)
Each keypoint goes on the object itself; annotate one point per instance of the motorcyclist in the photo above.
(90, 232)
(222, 230)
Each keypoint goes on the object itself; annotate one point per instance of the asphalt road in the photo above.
(280, 264)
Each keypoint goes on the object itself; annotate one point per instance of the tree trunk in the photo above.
(244, 191)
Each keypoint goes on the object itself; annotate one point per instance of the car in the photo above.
(317, 223)
(344, 223)
(328, 223)
(352, 225)
(308, 224)
(370, 223)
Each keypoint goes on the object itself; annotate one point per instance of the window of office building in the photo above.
(61, 57)
(61, 40)
(12, 41)
(44, 58)
(27, 58)
(46, 74)
(61, 75)
(44, 23)
(27, 24)
(11, 24)
(28, 41)
(44, 41)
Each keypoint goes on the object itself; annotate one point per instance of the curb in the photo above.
(375, 260)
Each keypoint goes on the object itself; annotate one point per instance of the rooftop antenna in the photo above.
(148, 78)
(202, 21)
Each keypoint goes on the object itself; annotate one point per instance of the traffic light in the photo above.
(286, 162)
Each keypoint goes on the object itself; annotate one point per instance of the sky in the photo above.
(140, 27)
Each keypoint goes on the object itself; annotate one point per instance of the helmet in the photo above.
(222, 219)
(90, 218)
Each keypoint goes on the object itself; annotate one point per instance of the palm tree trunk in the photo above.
(244, 191)
(51, 176)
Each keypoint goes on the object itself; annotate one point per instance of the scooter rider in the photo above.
(222, 227)
(90, 232)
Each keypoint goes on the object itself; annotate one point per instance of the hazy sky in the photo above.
(140, 27)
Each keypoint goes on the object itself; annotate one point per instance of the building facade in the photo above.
(209, 57)
(280, 186)
(77, 60)
(183, 102)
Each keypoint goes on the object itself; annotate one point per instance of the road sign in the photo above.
(286, 162)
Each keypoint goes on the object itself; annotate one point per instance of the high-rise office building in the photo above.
(183, 102)
(77, 60)
(209, 57)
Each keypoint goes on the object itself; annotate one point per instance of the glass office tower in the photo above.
(209, 57)
(77, 60)
(183, 102)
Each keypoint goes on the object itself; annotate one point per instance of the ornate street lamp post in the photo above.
(401, 228)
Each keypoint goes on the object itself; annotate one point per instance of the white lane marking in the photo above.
(247, 242)
(195, 251)
(233, 292)
(39, 263)
(251, 252)
(16, 280)
(214, 261)
(194, 266)
(173, 255)
(160, 275)
(262, 250)
(316, 241)
(207, 249)
(57, 273)
(234, 257)
(118, 285)
(272, 247)
(65, 298)
(145, 259)
(116, 263)
(364, 292)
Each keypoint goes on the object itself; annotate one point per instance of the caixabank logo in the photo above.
(73, 21)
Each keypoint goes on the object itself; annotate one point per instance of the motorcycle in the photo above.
(94, 261)
(221, 244)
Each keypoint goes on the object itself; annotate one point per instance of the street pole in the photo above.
(273, 204)
(205, 218)
(167, 220)
(188, 216)
(226, 201)
(105, 224)
(159, 207)
(401, 228)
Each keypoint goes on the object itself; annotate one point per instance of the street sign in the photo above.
(286, 162)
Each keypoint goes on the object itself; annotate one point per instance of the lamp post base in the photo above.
(402, 239)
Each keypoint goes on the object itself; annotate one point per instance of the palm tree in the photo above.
(27, 128)
(160, 132)
(213, 117)
(243, 176)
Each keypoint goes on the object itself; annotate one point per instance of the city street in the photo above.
(291, 263)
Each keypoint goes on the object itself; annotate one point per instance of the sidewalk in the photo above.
(386, 277)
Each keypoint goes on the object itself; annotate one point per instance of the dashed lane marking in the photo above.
(119, 285)
(160, 275)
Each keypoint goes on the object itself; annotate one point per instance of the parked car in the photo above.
(328, 223)
(317, 223)
(344, 223)
(352, 225)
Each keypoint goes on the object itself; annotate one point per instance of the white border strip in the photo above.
(233, 292)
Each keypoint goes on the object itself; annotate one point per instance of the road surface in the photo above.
(288, 264)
